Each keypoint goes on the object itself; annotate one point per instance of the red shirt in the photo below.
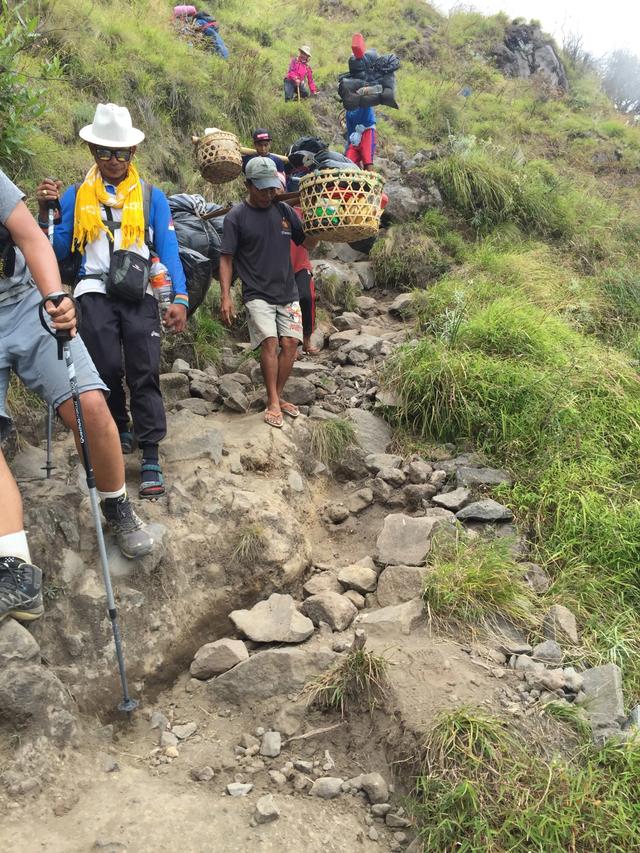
(300, 259)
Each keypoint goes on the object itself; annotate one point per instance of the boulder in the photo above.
(398, 584)
(323, 582)
(31, 695)
(232, 393)
(486, 510)
(604, 702)
(405, 203)
(188, 439)
(419, 472)
(339, 339)
(402, 305)
(174, 387)
(348, 320)
(377, 461)
(453, 501)
(327, 787)
(405, 540)
(394, 476)
(478, 477)
(536, 577)
(273, 672)
(560, 624)
(366, 274)
(416, 494)
(16, 643)
(373, 434)
(405, 617)
(336, 610)
(360, 500)
(360, 578)
(219, 656)
(374, 786)
(276, 620)
(370, 345)
(299, 391)
(548, 652)
(196, 405)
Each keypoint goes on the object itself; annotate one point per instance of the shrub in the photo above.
(357, 679)
(407, 258)
(330, 439)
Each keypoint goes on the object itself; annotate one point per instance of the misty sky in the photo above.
(604, 26)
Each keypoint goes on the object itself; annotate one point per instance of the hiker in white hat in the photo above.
(298, 82)
(121, 228)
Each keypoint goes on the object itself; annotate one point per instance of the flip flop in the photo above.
(289, 409)
(274, 419)
(311, 351)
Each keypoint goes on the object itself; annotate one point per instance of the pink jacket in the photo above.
(300, 71)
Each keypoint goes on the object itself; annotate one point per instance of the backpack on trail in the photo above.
(371, 79)
(199, 242)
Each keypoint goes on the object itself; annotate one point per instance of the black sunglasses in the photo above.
(122, 155)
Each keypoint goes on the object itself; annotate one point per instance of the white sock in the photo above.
(15, 545)
(117, 494)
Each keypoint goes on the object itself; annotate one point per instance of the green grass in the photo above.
(249, 545)
(483, 788)
(330, 439)
(468, 583)
(357, 680)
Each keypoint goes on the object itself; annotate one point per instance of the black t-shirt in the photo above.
(260, 241)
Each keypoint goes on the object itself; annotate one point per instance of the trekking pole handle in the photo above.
(62, 336)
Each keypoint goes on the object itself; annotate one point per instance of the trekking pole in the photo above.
(63, 338)
(298, 89)
(52, 206)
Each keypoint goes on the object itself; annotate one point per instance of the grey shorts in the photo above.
(273, 321)
(32, 354)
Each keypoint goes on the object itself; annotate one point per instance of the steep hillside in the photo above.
(524, 337)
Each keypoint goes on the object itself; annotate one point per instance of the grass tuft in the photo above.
(358, 679)
(330, 439)
(250, 544)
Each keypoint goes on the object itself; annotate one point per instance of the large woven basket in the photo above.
(218, 157)
(340, 205)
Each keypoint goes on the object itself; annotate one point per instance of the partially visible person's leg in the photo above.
(367, 148)
(102, 334)
(289, 90)
(141, 337)
(353, 153)
(263, 331)
(304, 282)
(289, 319)
(35, 360)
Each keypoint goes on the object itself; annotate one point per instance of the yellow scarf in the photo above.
(92, 193)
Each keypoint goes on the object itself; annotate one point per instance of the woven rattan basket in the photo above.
(340, 205)
(218, 157)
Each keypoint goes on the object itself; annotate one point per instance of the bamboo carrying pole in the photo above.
(292, 198)
(245, 150)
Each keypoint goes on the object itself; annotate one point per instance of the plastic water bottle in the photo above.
(161, 284)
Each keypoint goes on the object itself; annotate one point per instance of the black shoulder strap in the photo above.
(147, 189)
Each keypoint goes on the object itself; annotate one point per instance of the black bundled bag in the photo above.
(198, 271)
(370, 71)
(334, 160)
(202, 235)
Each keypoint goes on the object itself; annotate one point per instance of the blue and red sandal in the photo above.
(151, 485)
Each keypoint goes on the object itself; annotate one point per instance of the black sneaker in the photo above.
(20, 590)
(133, 540)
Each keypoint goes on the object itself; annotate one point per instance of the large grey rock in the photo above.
(604, 702)
(196, 405)
(374, 786)
(322, 582)
(219, 656)
(276, 620)
(32, 696)
(405, 203)
(373, 434)
(403, 617)
(273, 672)
(476, 477)
(336, 610)
(188, 439)
(360, 578)
(453, 501)
(548, 652)
(525, 51)
(233, 395)
(348, 320)
(405, 540)
(271, 744)
(308, 369)
(336, 274)
(299, 391)
(360, 500)
(339, 339)
(486, 510)
(402, 305)
(419, 471)
(560, 624)
(377, 461)
(398, 584)
(174, 387)
(327, 787)
(266, 810)
(16, 643)
(369, 344)
(394, 476)
(366, 274)
(536, 577)
(417, 494)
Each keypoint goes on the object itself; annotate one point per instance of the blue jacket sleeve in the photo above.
(63, 232)
(165, 240)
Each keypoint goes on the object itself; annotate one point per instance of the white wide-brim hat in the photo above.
(305, 49)
(112, 127)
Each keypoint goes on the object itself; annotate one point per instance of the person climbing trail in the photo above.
(257, 237)
(114, 219)
(29, 273)
(262, 143)
(298, 82)
(303, 272)
(361, 137)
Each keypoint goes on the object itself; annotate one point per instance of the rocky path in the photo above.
(267, 564)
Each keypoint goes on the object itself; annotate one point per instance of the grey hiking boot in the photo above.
(133, 540)
(20, 590)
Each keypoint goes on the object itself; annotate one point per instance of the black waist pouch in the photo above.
(128, 276)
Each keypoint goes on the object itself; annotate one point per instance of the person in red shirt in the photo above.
(303, 272)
